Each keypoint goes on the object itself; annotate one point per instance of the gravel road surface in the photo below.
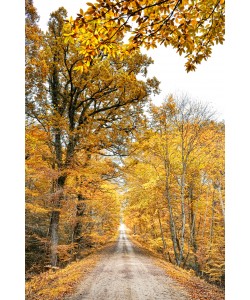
(125, 273)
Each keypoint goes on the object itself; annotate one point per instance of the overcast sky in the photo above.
(205, 84)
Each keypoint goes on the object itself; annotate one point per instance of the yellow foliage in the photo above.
(190, 29)
(180, 159)
(36, 209)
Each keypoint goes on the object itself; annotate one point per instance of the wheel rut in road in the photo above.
(125, 273)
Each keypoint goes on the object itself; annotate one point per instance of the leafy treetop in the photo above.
(191, 27)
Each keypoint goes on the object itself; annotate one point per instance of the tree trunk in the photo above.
(171, 216)
(221, 202)
(212, 223)
(54, 221)
(183, 215)
(172, 228)
(192, 225)
(77, 231)
(205, 215)
(162, 235)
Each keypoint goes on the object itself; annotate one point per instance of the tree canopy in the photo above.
(74, 121)
(191, 27)
(175, 187)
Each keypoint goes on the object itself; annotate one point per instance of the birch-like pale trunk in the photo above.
(221, 202)
(183, 216)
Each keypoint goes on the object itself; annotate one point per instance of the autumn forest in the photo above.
(100, 153)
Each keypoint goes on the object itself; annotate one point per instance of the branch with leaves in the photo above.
(190, 27)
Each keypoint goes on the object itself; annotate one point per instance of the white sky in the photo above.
(205, 84)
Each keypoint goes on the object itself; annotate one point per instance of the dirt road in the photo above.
(125, 273)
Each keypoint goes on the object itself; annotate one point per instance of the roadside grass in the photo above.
(55, 285)
(197, 288)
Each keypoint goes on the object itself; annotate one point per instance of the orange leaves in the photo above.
(53, 285)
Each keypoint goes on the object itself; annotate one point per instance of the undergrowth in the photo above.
(197, 288)
(55, 285)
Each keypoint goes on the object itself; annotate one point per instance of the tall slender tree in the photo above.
(171, 175)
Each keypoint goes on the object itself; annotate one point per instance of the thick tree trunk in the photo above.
(54, 221)
(55, 214)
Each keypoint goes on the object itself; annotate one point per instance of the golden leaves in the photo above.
(96, 37)
(36, 209)
(53, 284)
(185, 28)
(179, 134)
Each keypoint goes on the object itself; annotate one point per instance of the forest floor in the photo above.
(121, 271)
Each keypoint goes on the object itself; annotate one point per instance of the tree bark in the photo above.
(192, 225)
(221, 203)
(77, 230)
(183, 216)
(168, 198)
(54, 221)
(162, 235)
(172, 227)
(212, 223)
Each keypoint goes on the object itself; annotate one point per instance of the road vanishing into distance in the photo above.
(125, 273)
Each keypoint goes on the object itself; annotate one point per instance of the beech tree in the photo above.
(185, 120)
(172, 201)
(85, 222)
(190, 27)
(91, 112)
